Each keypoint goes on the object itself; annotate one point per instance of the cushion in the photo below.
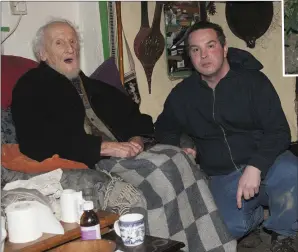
(8, 133)
(13, 159)
(12, 68)
(108, 73)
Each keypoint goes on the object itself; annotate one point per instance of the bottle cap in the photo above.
(88, 205)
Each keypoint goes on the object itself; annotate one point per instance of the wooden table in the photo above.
(151, 244)
(72, 232)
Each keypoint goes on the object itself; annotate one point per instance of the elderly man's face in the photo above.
(61, 49)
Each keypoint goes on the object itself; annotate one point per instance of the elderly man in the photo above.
(49, 114)
(241, 134)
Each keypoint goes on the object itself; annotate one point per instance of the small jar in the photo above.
(89, 223)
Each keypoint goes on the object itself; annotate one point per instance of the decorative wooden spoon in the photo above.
(152, 46)
(144, 29)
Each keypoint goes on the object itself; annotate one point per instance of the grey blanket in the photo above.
(179, 204)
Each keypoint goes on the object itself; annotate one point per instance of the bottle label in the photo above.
(90, 233)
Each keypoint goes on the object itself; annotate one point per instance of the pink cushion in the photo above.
(12, 68)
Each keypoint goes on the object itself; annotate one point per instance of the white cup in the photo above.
(131, 229)
(70, 205)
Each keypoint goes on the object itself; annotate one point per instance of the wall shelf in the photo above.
(178, 18)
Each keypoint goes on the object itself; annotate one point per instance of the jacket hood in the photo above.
(238, 58)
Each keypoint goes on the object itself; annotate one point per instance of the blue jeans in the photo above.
(278, 191)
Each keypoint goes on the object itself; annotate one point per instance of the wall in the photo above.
(268, 50)
(84, 14)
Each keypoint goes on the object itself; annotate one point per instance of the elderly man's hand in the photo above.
(137, 142)
(123, 149)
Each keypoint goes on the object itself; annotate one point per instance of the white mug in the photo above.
(70, 202)
(131, 229)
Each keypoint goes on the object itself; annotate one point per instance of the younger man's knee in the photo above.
(238, 229)
(242, 224)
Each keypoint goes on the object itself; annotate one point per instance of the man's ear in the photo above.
(42, 55)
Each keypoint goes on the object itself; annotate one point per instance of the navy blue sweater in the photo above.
(240, 122)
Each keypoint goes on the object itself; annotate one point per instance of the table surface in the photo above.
(151, 244)
(72, 232)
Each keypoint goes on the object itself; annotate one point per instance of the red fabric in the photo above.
(13, 159)
(12, 68)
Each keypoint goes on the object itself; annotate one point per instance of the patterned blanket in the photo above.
(179, 204)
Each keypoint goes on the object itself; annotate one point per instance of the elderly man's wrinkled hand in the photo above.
(137, 142)
(116, 149)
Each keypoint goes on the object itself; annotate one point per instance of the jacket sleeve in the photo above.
(270, 117)
(47, 124)
(120, 113)
(167, 127)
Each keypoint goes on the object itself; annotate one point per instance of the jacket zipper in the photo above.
(223, 131)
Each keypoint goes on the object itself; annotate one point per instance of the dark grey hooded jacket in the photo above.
(240, 122)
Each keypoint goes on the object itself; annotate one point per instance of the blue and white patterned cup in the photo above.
(131, 229)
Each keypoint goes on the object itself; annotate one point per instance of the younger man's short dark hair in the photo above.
(208, 25)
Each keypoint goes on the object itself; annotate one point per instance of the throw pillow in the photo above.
(8, 132)
(108, 73)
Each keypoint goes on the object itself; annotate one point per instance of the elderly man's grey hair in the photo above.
(38, 41)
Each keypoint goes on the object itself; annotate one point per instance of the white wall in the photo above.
(84, 14)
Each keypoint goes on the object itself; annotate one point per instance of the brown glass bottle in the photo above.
(89, 223)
